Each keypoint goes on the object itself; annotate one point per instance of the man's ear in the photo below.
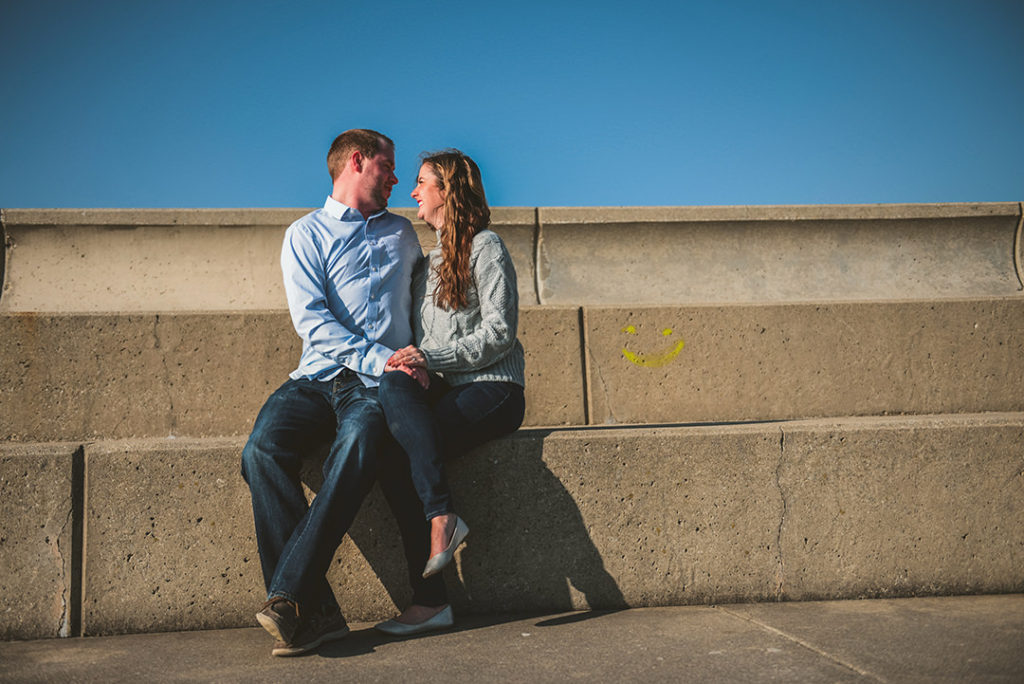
(357, 160)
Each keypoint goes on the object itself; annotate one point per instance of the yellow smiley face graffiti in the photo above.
(652, 360)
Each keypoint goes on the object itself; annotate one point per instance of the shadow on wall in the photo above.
(528, 542)
(527, 545)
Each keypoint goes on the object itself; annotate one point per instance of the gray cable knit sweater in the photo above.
(477, 342)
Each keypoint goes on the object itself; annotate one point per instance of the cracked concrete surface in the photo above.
(64, 628)
(780, 572)
(35, 530)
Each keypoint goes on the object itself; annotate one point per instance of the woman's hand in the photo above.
(408, 356)
(417, 374)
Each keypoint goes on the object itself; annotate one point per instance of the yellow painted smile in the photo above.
(652, 360)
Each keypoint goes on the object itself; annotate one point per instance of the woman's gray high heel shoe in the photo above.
(438, 562)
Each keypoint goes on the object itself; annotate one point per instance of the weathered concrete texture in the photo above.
(599, 518)
(554, 365)
(634, 256)
(886, 507)
(170, 541)
(748, 362)
(129, 260)
(963, 639)
(109, 376)
(143, 268)
(606, 519)
(226, 259)
(35, 540)
(112, 376)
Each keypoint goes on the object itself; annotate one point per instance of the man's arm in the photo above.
(304, 282)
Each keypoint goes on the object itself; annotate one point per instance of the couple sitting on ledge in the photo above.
(406, 360)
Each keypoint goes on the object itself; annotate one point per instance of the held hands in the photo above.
(417, 373)
(408, 356)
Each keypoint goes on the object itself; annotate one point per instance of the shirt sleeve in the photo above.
(302, 264)
(498, 294)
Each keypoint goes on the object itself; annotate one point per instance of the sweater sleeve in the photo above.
(495, 335)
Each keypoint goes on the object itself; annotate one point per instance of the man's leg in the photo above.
(294, 421)
(349, 471)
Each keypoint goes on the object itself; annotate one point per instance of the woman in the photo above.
(465, 327)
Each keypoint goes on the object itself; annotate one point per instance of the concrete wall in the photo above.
(227, 259)
(39, 572)
(777, 361)
(137, 346)
(123, 260)
(839, 508)
(107, 376)
(651, 255)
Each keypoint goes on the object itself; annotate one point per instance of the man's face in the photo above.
(379, 176)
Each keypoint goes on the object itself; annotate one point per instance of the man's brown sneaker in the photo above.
(280, 617)
(313, 631)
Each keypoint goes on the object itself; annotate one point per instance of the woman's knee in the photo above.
(395, 386)
(396, 380)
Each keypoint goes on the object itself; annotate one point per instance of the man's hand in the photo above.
(408, 356)
(417, 374)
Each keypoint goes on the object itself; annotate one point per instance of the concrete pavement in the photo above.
(965, 638)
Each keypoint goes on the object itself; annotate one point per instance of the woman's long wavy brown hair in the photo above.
(465, 214)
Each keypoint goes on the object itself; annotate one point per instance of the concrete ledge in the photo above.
(747, 362)
(227, 259)
(692, 255)
(895, 507)
(100, 376)
(129, 260)
(109, 376)
(616, 517)
(36, 540)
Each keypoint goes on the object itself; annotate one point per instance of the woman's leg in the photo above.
(467, 416)
(414, 425)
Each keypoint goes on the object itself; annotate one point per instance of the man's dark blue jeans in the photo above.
(297, 542)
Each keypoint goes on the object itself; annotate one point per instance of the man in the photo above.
(347, 270)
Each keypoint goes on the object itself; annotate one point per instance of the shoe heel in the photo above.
(441, 560)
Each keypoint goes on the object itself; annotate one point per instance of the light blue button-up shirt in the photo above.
(347, 279)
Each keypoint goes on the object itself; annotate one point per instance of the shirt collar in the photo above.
(342, 212)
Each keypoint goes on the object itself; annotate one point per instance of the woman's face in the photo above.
(429, 197)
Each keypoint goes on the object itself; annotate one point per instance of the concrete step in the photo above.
(963, 639)
(103, 376)
(154, 535)
(227, 259)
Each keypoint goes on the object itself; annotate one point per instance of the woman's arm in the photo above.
(498, 295)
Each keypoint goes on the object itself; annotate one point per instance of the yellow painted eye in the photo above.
(666, 332)
(629, 329)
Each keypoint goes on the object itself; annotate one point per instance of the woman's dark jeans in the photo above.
(445, 421)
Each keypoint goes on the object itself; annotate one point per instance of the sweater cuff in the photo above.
(440, 359)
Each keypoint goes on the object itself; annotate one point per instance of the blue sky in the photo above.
(207, 103)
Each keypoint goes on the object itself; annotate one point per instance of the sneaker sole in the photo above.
(299, 649)
(269, 624)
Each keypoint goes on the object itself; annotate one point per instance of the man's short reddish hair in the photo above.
(362, 140)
